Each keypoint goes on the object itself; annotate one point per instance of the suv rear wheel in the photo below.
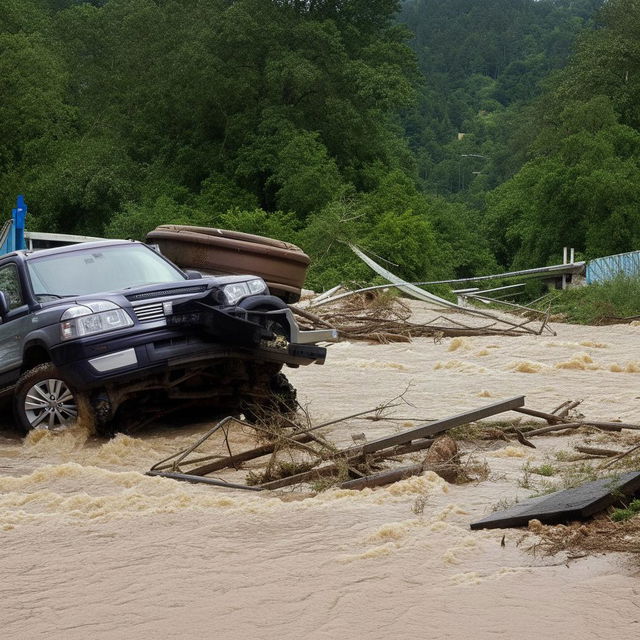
(43, 398)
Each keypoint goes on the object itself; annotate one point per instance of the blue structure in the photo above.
(607, 268)
(12, 232)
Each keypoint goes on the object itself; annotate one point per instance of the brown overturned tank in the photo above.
(283, 266)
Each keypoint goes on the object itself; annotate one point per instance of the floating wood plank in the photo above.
(563, 506)
(302, 438)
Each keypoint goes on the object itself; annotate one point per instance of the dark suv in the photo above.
(89, 329)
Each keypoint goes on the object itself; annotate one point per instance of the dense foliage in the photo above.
(453, 137)
(581, 186)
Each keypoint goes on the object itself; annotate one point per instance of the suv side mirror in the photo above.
(4, 305)
(193, 275)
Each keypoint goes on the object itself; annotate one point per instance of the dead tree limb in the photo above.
(303, 313)
(560, 406)
(619, 457)
(563, 411)
(554, 427)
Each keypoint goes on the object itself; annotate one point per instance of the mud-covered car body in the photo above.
(117, 320)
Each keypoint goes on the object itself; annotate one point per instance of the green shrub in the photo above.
(597, 303)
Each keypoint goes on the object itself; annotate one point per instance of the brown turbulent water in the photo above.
(92, 548)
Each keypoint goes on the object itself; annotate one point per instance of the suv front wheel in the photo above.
(43, 398)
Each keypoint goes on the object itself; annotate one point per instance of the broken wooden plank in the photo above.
(562, 426)
(382, 478)
(440, 426)
(549, 417)
(307, 476)
(563, 506)
(356, 457)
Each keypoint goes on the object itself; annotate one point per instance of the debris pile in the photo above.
(320, 461)
(382, 317)
(374, 314)
(295, 454)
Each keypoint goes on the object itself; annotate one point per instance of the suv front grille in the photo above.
(149, 312)
(180, 291)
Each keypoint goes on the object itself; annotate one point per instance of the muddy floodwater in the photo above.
(92, 548)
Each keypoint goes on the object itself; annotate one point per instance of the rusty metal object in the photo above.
(283, 266)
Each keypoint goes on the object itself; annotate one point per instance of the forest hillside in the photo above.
(453, 137)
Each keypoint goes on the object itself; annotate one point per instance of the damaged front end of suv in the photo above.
(100, 332)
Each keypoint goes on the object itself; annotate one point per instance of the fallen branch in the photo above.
(620, 457)
(556, 419)
(563, 426)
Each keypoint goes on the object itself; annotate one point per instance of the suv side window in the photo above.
(10, 285)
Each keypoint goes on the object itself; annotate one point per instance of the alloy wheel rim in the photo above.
(50, 404)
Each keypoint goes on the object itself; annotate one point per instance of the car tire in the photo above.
(44, 398)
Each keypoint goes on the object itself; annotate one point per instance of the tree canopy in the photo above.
(452, 137)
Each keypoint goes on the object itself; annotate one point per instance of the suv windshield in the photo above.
(98, 269)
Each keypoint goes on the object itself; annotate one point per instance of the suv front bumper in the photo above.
(190, 339)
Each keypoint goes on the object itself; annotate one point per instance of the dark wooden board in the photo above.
(563, 506)
(440, 426)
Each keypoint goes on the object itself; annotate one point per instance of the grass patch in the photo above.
(599, 303)
(620, 515)
(544, 470)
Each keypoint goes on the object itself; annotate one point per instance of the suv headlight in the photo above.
(97, 316)
(238, 290)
